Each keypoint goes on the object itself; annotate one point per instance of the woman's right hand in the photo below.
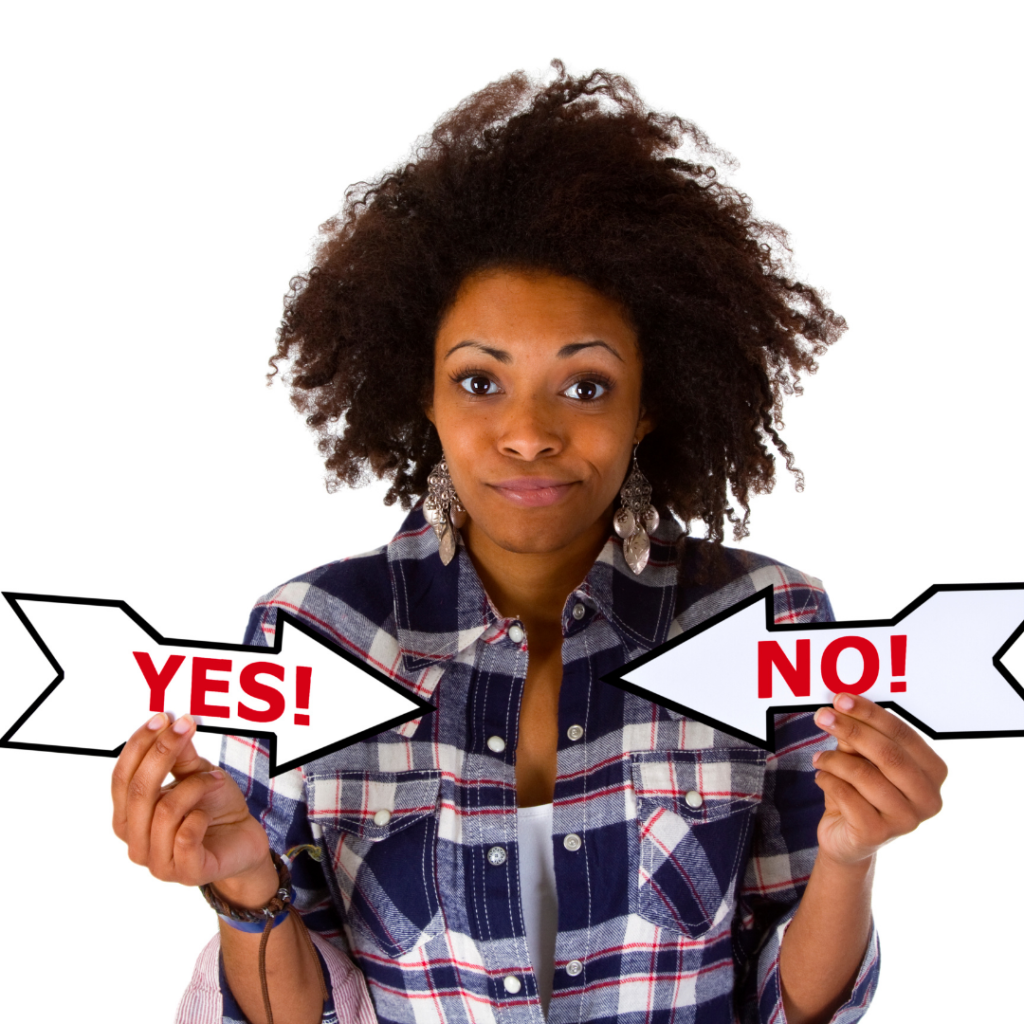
(196, 829)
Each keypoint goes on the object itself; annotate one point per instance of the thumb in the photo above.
(188, 761)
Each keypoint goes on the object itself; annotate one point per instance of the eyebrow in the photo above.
(563, 353)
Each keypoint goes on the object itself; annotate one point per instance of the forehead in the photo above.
(533, 308)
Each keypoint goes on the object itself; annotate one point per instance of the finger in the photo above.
(173, 856)
(189, 762)
(895, 728)
(190, 855)
(871, 784)
(888, 754)
(144, 786)
(128, 762)
(863, 821)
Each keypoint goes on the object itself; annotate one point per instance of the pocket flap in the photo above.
(372, 805)
(700, 785)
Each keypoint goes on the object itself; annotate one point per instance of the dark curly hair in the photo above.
(578, 178)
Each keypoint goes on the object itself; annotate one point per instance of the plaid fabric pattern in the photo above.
(676, 912)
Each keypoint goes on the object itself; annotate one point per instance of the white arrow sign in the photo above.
(951, 663)
(306, 695)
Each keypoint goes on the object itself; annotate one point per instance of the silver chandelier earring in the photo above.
(443, 510)
(637, 519)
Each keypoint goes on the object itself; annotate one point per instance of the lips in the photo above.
(533, 491)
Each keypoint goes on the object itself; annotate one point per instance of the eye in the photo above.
(478, 384)
(585, 390)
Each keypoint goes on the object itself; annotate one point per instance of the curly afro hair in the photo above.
(576, 177)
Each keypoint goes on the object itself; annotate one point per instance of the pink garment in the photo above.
(202, 1003)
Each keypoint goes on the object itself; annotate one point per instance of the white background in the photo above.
(165, 168)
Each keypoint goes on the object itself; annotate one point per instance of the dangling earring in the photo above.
(443, 510)
(637, 519)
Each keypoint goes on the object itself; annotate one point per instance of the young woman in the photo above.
(559, 329)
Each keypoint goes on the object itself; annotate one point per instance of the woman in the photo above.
(570, 341)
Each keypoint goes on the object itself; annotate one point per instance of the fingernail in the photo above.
(814, 760)
(157, 721)
(217, 773)
(844, 702)
(183, 724)
(824, 718)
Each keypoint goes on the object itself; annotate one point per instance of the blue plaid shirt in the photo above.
(666, 912)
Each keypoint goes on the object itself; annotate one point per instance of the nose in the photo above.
(530, 431)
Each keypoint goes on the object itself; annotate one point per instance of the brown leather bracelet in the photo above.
(275, 905)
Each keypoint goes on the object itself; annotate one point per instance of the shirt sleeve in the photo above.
(208, 1000)
(279, 804)
(783, 852)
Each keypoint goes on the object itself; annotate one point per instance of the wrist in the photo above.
(850, 874)
(250, 889)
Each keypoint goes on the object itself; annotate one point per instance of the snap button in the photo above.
(496, 855)
(512, 984)
(516, 634)
(572, 842)
(578, 611)
(573, 968)
(574, 732)
(694, 799)
(496, 744)
(382, 817)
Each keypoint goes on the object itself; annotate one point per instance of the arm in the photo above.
(825, 942)
(882, 781)
(197, 830)
(294, 978)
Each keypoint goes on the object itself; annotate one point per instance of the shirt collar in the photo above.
(440, 610)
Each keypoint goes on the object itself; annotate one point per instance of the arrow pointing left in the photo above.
(739, 669)
(306, 695)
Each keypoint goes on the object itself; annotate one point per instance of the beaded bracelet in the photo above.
(254, 926)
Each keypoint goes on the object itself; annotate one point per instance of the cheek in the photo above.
(607, 448)
(460, 432)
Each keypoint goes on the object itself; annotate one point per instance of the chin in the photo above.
(530, 545)
(530, 535)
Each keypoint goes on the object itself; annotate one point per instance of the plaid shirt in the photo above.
(666, 912)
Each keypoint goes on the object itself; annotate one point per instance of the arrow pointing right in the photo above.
(102, 650)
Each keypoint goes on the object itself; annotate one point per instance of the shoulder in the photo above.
(349, 601)
(736, 574)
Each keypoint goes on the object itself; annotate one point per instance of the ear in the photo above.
(643, 427)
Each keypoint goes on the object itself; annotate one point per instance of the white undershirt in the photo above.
(539, 896)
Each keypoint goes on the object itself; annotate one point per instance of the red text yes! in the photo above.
(261, 681)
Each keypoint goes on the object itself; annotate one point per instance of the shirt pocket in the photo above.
(695, 810)
(380, 829)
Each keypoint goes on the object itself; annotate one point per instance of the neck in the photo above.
(533, 586)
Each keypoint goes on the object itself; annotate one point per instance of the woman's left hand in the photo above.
(881, 782)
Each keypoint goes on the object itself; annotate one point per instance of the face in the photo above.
(537, 404)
